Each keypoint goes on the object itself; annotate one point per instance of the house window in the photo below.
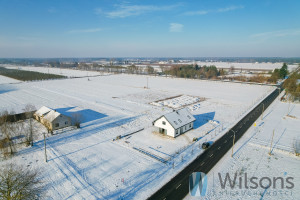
(189, 117)
(179, 120)
(163, 122)
(66, 122)
(190, 125)
(57, 125)
(177, 131)
(175, 122)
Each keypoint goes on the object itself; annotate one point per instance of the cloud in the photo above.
(219, 10)
(175, 27)
(200, 12)
(230, 8)
(279, 33)
(92, 30)
(123, 11)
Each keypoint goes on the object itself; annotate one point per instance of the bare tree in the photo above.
(162, 69)
(7, 130)
(77, 119)
(149, 69)
(231, 70)
(19, 183)
(4, 142)
(31, 129)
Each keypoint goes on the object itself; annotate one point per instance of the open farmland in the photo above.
(86, 163)
(5, 80)
(27, 75)
(248, 66)
(58, 71)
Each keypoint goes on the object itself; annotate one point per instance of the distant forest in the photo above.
(27, 75)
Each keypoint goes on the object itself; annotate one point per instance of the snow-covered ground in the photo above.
(237, 66)
(4, 79)
(58, 71)
(251, 156)
(86, 164)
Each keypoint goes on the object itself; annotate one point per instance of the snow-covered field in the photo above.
(4, 79)
(86, 164)
(58, 71)
(251, 156)
(262, 66)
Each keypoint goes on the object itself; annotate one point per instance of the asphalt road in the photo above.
(178, 187)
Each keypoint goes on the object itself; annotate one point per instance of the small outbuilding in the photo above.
(52, 119)
(175, 123)
(55, 120)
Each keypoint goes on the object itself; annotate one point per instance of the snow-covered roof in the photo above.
(179, 118)
(51, 115)
(42, 111)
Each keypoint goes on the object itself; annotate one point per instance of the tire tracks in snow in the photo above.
(71, 172)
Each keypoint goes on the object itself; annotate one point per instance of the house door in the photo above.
(163, 131)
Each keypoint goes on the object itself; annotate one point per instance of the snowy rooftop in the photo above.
(178, 118)
(42, 111)
(52, 115)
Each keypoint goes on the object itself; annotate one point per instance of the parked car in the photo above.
(205, 145)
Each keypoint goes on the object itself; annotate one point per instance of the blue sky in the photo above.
(165, 28)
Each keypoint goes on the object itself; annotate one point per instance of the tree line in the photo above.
(195, 71)
(28, 75)
(292, 85)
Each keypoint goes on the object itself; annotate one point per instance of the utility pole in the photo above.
(30, 134)
(289, 107)
(271, 142)
(262, 113)
(45, 147)
(233, 143)
(147, 83)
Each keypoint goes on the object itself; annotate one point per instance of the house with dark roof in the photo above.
(175, 123)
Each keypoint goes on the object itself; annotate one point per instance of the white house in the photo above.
(175, 123)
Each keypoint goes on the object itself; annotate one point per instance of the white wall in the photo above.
(168, 127)
(61, 120)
